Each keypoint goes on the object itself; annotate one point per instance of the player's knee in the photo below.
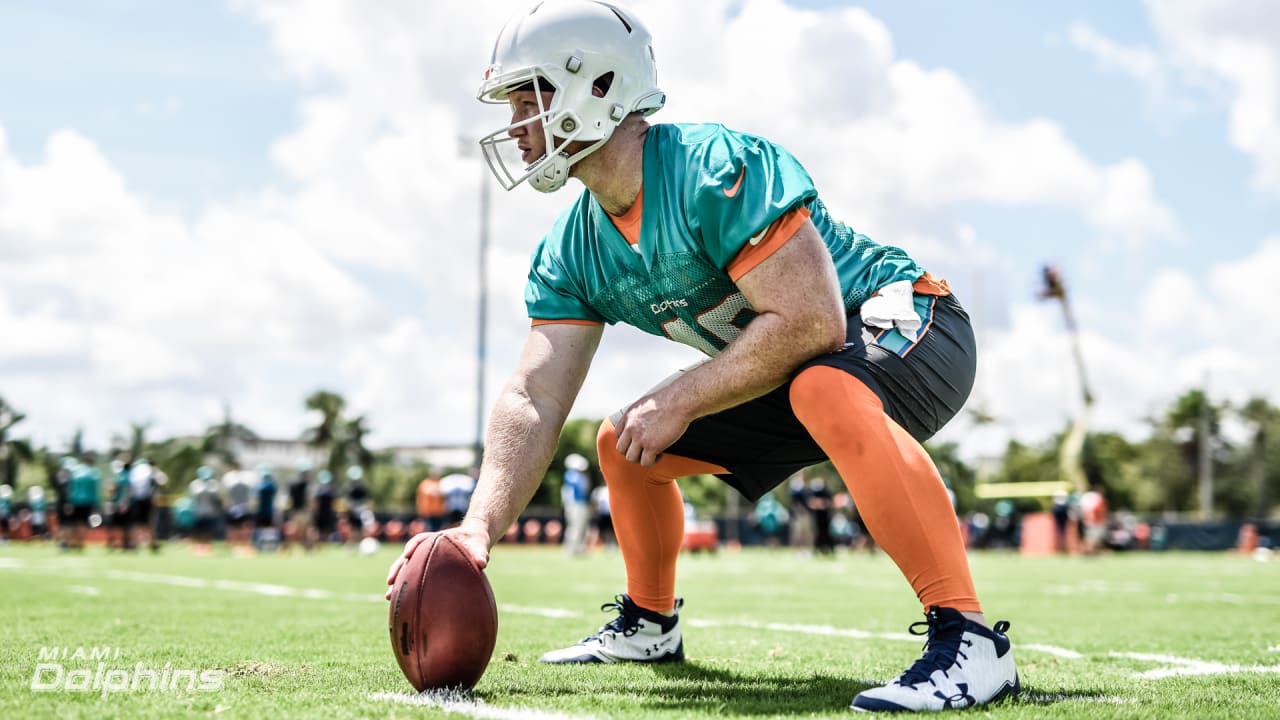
(819, 386)
(810, 387)
(607, 445)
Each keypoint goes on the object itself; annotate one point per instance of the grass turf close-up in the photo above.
(768, 633)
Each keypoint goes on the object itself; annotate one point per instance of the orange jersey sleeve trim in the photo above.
(930, 285)
(538, 321)
(773, 238)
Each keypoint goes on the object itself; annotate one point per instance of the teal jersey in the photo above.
(708, 193)
(184, 513)
(6, 507)
(82, 489)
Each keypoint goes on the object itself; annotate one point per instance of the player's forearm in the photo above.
(759, 360)
(519, 443)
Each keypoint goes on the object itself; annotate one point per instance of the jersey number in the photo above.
(718, 321)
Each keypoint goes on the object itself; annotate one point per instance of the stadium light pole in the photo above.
(482, 321)
(467, 147)
(1204, 453)
(1073, 444)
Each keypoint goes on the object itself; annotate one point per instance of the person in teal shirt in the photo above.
(6, 511)
(118, 535)
(83, 489)
(820, 343)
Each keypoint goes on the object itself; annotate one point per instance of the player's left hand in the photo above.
(647, 428)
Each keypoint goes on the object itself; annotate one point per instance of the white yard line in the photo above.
(463, 704)
(256, 588)
(1181, 667)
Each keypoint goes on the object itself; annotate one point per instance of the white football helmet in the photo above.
(570, 46)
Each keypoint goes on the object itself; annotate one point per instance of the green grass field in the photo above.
(768, 634)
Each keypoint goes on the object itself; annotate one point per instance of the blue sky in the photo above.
(297, 166)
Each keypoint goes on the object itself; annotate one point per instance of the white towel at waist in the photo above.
(893, 307)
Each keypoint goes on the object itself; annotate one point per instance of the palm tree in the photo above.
(350, 447)
(327, 434)
(13, 452)
(220, 439)
(179, 459)
(134, 443)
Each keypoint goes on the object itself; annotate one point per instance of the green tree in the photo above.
(958, 475)
(13, 451)
(327, 431)
(1106, 458)
(1262, 468)
(219, 440)
(179, 458)
(134, 442)
(348, 447)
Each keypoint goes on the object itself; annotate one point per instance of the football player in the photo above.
(821, 344)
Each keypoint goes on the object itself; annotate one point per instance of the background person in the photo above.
(603, 517)
(143, 482)
(324, 515)
(118, 515)
(266, 532)
(429, 502)
(574, 495)
(6, 511)
(38, 506)
(298, 521)
(359, 514)
(83, 496)
(1093, 516)
(208, 507)
(457, 489)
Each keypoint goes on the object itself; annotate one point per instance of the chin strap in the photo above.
(555, 171)
(553, 175)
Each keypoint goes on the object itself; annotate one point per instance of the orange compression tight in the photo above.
(648, 517)
(893, 482)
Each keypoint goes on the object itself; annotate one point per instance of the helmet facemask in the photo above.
(561, 127)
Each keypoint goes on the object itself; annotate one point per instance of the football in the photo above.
(443, 618)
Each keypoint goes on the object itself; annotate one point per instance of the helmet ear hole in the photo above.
(600, 86)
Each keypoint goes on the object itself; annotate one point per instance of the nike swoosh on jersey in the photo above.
(733, 191)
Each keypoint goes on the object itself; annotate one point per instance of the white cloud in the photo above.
(1141, 64)
(1236, 44)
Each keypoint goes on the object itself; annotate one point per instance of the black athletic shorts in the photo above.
(922, 386)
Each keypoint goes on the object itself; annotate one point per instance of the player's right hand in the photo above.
(473, 536)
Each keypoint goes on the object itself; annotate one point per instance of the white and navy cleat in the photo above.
(636, 635)
(965, 664)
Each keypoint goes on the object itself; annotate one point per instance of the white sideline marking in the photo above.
(829, 631)
(239, 586)
(1050, 649)
(455, 702)
(1050, 698)
(84, 590)
(1224, 598)
(826, 630)
(557, 613)
(10, 563)
(1181, 667)
(1274, 648)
